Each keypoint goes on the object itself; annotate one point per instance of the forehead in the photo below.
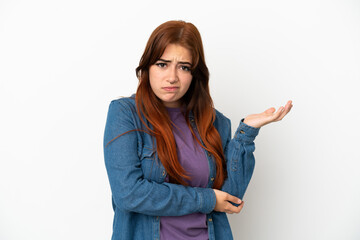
(176, 52)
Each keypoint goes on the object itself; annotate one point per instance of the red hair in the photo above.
(197, 100)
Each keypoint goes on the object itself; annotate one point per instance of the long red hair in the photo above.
(197, 100)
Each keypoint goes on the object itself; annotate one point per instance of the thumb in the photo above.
(270, 110)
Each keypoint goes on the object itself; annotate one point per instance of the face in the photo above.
(170, 77)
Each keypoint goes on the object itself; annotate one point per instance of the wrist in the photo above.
(249, 124)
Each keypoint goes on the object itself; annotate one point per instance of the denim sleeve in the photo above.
(240, 159)
(130, 190)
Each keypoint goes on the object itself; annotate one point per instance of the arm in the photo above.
(240, 159)
(130, 190)
(239, 151)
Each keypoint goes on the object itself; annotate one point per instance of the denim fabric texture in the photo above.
(140, 196)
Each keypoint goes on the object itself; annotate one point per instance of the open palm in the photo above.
(268, 116)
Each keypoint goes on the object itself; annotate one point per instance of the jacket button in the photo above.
(241, 131)
(163, 173)
(210, 219)
(212, 179)
(192, 120)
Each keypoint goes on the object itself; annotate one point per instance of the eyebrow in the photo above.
(168, 61)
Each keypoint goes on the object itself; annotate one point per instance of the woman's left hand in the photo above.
(269, 116)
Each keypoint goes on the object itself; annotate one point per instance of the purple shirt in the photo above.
(194, 161)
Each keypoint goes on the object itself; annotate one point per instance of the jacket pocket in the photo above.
(148, 163)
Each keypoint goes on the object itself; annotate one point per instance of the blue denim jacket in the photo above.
(140, 196)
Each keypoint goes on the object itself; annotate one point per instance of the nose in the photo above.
(173, 75)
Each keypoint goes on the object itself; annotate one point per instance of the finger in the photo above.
(288, 106)
(238, 208)
(270, 110)
(280, 113)
(241, 206)
(233, 199)
(233, 209)
(286, 110)
(277, 115)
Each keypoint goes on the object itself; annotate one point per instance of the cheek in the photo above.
(153, 78)
(188, 81)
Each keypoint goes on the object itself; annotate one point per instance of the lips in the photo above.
(170, 89)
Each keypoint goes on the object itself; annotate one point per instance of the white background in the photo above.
(62, 62)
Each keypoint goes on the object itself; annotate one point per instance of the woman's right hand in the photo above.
(223, 204)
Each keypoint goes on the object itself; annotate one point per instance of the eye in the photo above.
(161, 65)
(185, 68)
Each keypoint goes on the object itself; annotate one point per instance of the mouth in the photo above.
(170, 89)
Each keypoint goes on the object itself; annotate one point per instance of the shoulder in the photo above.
(221, 119)
(223, 126)
(123, 104)
(122, 109)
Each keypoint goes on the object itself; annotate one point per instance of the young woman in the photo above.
(173, 168)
